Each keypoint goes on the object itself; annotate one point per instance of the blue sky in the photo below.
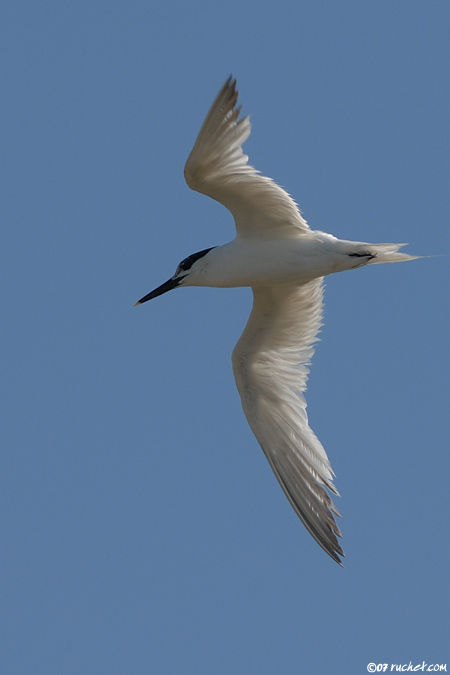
(142, 528)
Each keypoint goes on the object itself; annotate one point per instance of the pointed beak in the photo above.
(172, 283)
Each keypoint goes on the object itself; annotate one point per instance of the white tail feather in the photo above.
(388, 253)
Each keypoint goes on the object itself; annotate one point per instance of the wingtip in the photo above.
(337, 555)
(231, 86)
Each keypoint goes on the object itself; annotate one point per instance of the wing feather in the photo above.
(218, 167)
(270, 363)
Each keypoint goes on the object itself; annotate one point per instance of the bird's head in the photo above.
(189, 267)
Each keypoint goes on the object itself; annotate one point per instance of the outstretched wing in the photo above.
(270, 363)
(217, 167)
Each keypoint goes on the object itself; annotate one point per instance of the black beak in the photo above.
(172, 283)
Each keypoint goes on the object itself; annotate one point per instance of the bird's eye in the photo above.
(187, 263)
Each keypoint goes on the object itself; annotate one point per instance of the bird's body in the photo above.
(284, 262)
(252, 262)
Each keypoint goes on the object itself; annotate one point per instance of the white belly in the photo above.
(245, 262)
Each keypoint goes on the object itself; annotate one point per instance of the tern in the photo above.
(277, 254)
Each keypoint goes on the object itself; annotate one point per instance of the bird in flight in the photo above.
(277, 254)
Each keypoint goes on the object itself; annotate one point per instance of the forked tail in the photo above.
(387, 253)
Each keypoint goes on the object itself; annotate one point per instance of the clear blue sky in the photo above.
(142, 530)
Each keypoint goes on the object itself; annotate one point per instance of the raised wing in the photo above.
(217, 167)
(270, 367)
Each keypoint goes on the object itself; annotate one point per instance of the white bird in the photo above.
(284, 261)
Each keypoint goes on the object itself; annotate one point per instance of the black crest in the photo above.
(187, 263)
